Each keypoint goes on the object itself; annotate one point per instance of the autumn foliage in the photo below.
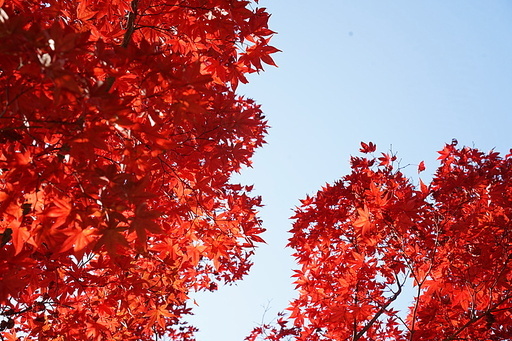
(119, 131)
(365, 241)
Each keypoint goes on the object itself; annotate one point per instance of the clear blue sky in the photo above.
(407, 75)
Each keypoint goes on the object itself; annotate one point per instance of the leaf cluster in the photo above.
(119, 130)
(361, 241)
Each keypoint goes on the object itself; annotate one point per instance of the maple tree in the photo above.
(120, 127)
(365, 240)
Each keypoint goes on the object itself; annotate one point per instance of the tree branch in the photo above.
(380, 312)
(477, 318)
(130, 28)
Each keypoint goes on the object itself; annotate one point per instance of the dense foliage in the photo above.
(119, 130)
(364, 240)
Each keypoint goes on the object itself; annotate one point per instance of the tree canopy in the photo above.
(361, 241)
(120, 127)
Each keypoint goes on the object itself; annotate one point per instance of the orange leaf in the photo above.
(61, 210)
(363, 221)
(3, 196)
(79, 240)
(20, 235)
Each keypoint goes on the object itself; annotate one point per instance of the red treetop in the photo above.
(362, 240)
(119, 131)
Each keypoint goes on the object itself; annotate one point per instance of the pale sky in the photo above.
(408, 75)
